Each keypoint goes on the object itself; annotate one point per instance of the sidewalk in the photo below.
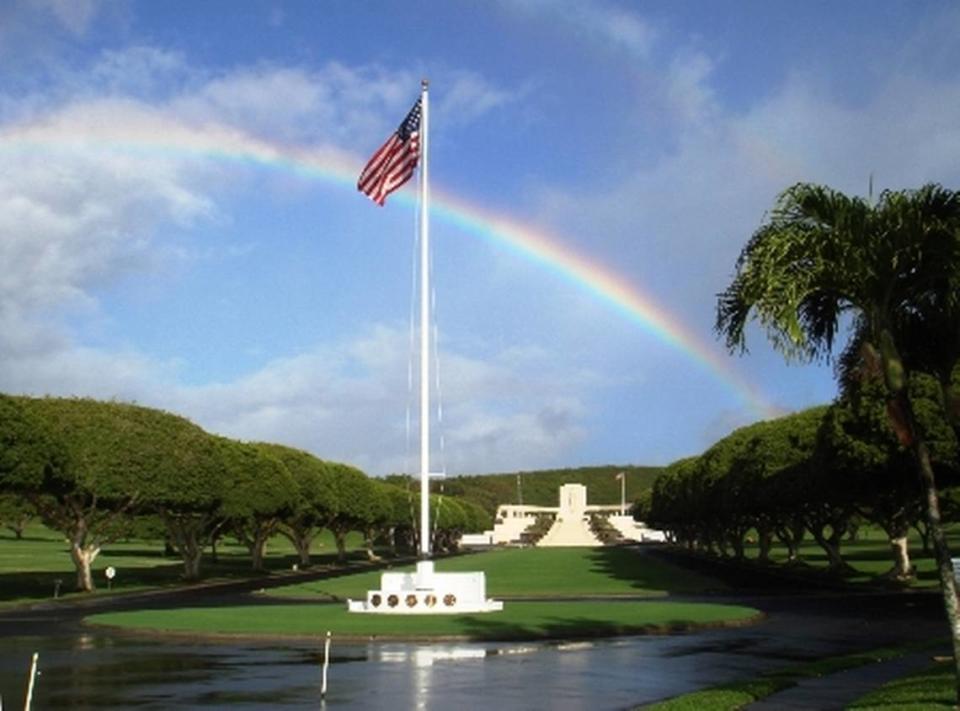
(836, 691)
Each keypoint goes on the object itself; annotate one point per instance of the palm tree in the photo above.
(889, 269)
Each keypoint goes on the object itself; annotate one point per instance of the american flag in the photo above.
(393, 163)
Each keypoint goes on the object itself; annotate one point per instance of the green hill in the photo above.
(540, 487)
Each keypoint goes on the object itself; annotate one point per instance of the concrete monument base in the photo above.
(427, 592)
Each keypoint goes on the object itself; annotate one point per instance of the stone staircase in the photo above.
(570, 532)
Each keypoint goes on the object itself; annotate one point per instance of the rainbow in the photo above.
(146, 132)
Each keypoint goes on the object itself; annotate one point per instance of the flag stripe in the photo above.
(393, 163)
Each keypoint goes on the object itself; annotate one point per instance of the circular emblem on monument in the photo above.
(411, 600)
(449, 599)
(430, 600)
(393, 600)
(375, 600)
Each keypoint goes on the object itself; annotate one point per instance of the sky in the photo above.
(180, 226)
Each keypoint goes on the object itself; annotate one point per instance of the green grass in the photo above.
(736, 695)
(931, 689)
(869, 556)
(557, 573)
(519, 620)
(31, 567)
(538, 572)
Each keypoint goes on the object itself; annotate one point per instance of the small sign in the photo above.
(110, 573)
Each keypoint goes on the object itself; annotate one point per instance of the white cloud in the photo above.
(342, 400)
(594, 20)
(710, 191)
(467, 96)
(74, 15)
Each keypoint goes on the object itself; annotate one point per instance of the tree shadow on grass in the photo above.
(645, 572)
(485, 628)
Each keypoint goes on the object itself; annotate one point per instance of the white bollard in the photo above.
(326, 664)
(33, 675)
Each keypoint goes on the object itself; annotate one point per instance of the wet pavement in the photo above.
(91, 668)
(836, 691)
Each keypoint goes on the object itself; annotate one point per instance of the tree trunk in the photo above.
(183, 534)
(948, 583)
(831, 546)
(368, 543)
(191, 563)
(340, 538)
(923, 530)
(301, 538)
(902, 569)
(83, 557)
(904, 421)
(791, 534)
(765, 543)
(258, 550)
(302, 545)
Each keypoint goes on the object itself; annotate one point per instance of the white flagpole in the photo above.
(623, 493)
(424, 326)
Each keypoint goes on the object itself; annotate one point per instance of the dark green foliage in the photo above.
(540, 488)
(30, 456)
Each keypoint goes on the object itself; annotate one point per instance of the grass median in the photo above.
(518, 621)
(537, 572)
(619, 593)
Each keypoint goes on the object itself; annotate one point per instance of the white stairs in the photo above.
(570, 531)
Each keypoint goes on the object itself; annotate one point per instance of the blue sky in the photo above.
(271, 303)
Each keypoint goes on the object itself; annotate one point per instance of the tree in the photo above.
(376, 515)
(259, 494)
(114, 456)
(862, 448)
(352, 491)
(15, 513)
(314, 502)
(398, 527)
(186, 485)
(892, 266)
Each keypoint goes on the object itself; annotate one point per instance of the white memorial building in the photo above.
(571, 522)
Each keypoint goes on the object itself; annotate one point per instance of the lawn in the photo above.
(869, 555)
(31, 567)
(611, 574)
(538, 572)
(518, 620)
(931, 689)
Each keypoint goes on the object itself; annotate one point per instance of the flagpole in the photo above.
(623, 493)
(424, 325)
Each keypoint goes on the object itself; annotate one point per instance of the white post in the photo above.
(623, 493)
(28, 702)
(424, 326)
(326, 664)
